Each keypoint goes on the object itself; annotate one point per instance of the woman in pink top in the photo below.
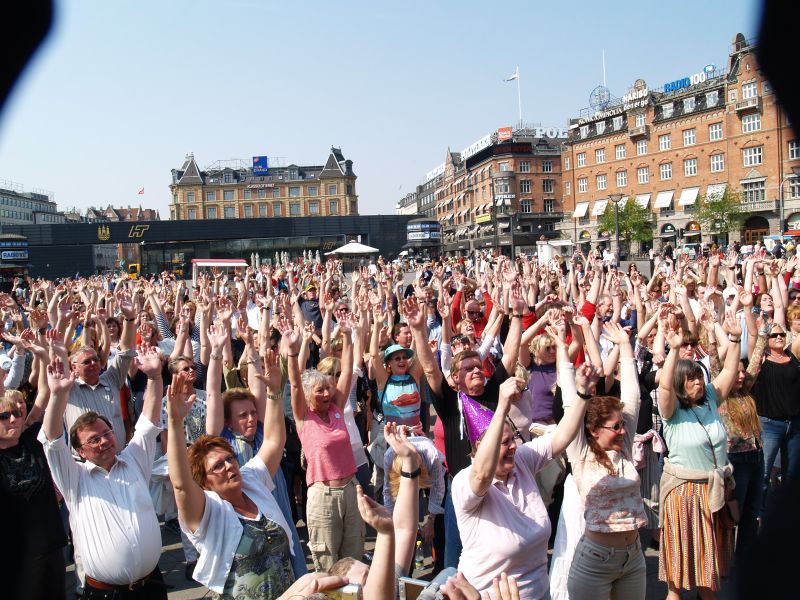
(335, 526)
(608, 560)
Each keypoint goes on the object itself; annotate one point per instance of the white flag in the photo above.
(514, 76)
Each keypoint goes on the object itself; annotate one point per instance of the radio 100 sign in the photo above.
(678, 84)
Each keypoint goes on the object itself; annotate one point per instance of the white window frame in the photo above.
(643, 175)
(525, 186)
(526, 205)
(601, 181)
(715, 132)
(549, 205)
(754, 156)
(689, 104)
(567, 188)
(581, 159)
(584, 131)
(616, 123)
(664, 142)
(524, 166)
(689, 137)
(641, 120)
(690, 167)
(600, 156)
(583, 185)
(749, 90)
(717, 163)
(665, 171)
(622, 178)
(566, 163)
(667, 110)
(619, 151)
(751, 123)
(712, 98)
(547, 166)
(600, 127)
(548, 186)
(794, 149)
(641, 147)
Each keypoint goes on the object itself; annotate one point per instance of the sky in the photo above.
(121, 91)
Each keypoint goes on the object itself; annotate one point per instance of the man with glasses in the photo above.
(114, 525)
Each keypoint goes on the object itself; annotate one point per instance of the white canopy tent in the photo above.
(354, 248)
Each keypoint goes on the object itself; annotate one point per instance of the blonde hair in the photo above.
(540, 342)
(394, 477)
(11, 398)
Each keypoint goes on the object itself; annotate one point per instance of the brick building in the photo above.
(666, 147)
(232, 190)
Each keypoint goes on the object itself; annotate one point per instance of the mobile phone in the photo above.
(351, 591)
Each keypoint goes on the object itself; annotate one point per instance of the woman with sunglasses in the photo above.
(697, 474)
(778, 405)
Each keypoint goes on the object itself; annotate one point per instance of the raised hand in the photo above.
(376, 516)
(397, 437)
(290, 334)
(125, 305)
(731, 324)
(58, 378)
(148, 361)
(586, 377)
(217, 336)
(615, 333)
(272, 372)
(414, 316)
(180, 397)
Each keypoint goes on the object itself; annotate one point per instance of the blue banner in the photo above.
(260, 165)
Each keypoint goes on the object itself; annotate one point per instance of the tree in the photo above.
(721, 213)
(635, 222)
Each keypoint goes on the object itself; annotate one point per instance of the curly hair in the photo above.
(199, 450)
(599, 409)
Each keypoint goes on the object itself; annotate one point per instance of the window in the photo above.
(549, 205)
(584, 131)
(262, 210)
(794, 149)
(640, 120)
(566, 163)
(548, 186)
(349, 189)
(501, 186)
(312, 190)
(313, 208)
(616, 123)
(601, 182)
(715, 132)
(643, 174)
(622, 178)
(333, 207)
(525, 186)
(332, 189)
(277, 209)
(753, 156)
(717, 163)
(664, 142)
(230, 212)
(766, 87)
(190, 196)
(567, 188)
(262, 192)
(751, 123)
(526, 206)
(227, 178)
(754, 191)
(600, 127)
(524, 166)
(227, 194)
(600, 156)
(211, 196)
(212, 212)
(794, 188)
(665, 170)
(583, 184)
(619, 151)
(294, 209)
(246, 194)
(732, 95)
(688, 104)
(276, 192)
(666, 110)
(712, 98)
(294, 191)
(641, 147)
(582, 159)
(248, 211)
(547, 166)
(690, 167)
(504, 166)
(192, 212)
(689, 137)
(749, 90)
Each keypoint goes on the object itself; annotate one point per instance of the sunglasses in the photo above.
(6, 415)
(780, 334)
(616, 427)
(689, 345)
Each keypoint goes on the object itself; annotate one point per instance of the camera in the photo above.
(5, 362)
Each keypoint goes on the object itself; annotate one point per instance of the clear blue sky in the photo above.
(122, 90)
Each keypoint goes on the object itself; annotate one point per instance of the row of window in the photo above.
(643, 174)
(525, 166)
(293, 191)
(229, 212)
(29, 204)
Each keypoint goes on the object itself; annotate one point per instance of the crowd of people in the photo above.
(490, 409)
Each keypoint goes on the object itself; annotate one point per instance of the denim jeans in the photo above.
(599, 571)
(783, 435)
(452, 538)
(748, 473)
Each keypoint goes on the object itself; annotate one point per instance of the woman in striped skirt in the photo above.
(696, 538)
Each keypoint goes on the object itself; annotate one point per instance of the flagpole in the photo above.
(519, 98)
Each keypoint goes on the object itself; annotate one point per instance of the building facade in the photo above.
(18, 207)
(407, 205)
(502, 193)
(667, 147)
(238, 191)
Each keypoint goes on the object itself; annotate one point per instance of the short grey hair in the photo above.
(312, 378)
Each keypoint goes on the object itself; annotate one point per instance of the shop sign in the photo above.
(504, 196)
(585, 235)
(254, 186)
(14, 255)
(613, 112)
(693, 226)
(483, 219)
(669, 228)
(636, 99)
(503, 134)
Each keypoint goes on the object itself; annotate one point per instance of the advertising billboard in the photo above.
(260, 165)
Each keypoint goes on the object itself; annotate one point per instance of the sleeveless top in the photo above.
(326, 446)
(261, 568)
(401, 400)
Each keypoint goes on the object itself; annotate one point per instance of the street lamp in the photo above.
(512, 215)
(615, 198)
(793, 175)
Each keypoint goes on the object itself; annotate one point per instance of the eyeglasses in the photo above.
(616, 427)
(6, 415)
(476, 313)
(689, 345)
(219, 466)
(476, 366)
(779, 334)
(96, 440)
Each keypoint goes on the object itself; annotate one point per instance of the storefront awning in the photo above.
(688, 196)
(581, 208)
(643, 200)
(599, 207)
(664, 199)
(716, 190)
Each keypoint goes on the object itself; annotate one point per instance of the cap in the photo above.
(729, 291)
(394, 349)
(310, 286)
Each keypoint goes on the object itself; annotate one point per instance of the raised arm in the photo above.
(416, 320)
(149, 362)
(667, 401)
(723, 383)
(291, 340)
(271, 450)
(215, 417)
(511, 345)
(60, 381)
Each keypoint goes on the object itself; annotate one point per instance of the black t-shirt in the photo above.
(32, 523)
(776, 390)
(457, 450)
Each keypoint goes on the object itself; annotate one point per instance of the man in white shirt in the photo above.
(113, 522)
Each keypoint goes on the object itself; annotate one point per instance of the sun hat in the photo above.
(395, 348)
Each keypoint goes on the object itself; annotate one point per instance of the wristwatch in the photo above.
(412, 475)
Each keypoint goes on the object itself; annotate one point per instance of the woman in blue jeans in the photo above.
(778, 405)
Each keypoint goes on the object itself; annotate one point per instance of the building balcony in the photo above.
(667, 212)
(641, 131)
(763, 205)
(748, 104)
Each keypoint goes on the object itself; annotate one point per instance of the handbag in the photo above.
(731, 512)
